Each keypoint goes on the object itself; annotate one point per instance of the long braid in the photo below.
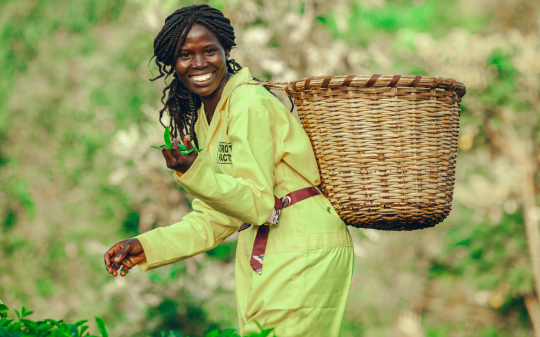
(182, 104)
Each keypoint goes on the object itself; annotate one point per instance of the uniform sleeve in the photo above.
(247, 194)
(199, 231)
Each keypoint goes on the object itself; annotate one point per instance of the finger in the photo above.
(127, 263)
(122, 254)
(187, 143)
(175, 149)
(175, 143)
(169, 158)
(124, 271)
(109, 254)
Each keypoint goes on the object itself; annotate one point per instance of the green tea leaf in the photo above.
(83, 329)
(213, 333)
(125, 271)
(174, 334)
(80, 322)
(3, 307)
(102, 327)
(167, 137)
(53, 322)
(182, 147)
(26, 313)
(158, 147)
(227, 333)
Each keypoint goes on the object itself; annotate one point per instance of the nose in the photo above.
(199, 61)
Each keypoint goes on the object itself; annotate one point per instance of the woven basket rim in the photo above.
(373, 81)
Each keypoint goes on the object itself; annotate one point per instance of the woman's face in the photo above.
(202, 62)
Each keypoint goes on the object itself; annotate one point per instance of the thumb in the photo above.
(187, 143)
(122, 253)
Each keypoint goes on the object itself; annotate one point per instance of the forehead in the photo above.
(198, 37)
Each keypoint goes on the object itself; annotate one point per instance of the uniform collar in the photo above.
(240, 77)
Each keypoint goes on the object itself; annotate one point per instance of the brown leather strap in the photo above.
(261, 240)
(302, 194)
(417, 79)
(348, 80)
(307, 82)
(259, 248)
(372, 80)
(395, 81)
(326, 81)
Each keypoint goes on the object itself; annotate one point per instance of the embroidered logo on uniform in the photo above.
(224, 153)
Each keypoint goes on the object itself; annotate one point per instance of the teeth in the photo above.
(201, 78)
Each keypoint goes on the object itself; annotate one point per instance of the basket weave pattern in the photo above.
(385, 145)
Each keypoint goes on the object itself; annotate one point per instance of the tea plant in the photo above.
(25, 327)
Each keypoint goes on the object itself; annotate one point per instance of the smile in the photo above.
(202, 78)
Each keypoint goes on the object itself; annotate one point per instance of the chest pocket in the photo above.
(224, 153)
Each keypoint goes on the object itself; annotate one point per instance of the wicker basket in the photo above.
(385, 145)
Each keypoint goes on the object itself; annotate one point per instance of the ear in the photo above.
(227, 53)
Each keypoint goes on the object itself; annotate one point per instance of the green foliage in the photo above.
(48, 328)
(371, 21)
(24, 327)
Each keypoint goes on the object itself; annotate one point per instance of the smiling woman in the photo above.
(252, 150)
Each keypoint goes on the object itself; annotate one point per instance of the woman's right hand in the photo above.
(127, 253)
(176, 160)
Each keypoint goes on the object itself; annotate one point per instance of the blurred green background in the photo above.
(77, 174)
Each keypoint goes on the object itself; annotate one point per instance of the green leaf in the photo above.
(213, 333)
(53, 322)
(17, 312)
(182, 147)
(80, 322)
(174, 334)
(26, 313)
(185, 153)
(3, 307)
(125, 271)
(102, 327)
(167, 137)
(158, 147)
(227, 333)
(83, 329)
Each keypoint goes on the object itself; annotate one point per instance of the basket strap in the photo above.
(395, 81)
(348, 80)
(417, 79)
(307, 82)
(372, 80)
(326, 82)
(261, 240)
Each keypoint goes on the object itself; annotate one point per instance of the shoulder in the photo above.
(255, 98)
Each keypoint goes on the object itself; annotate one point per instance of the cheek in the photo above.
(180, 68)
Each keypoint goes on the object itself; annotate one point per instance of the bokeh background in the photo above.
(77, 174)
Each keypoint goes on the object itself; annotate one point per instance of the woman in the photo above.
(251, 149)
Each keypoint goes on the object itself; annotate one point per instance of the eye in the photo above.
(184, 55)
(210, 51)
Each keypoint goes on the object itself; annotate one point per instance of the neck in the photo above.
(211, 101)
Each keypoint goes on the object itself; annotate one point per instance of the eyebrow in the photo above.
(207, 46)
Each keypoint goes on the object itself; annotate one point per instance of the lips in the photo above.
(201, 79)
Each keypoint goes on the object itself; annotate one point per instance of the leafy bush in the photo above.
(24, 327)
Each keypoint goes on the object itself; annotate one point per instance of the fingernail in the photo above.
(117, 259)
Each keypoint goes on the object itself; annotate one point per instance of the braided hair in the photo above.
(182, 104)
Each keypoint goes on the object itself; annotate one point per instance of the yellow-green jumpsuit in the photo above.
(252, 150)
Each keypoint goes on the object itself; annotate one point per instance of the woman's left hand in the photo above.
(176, 160)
